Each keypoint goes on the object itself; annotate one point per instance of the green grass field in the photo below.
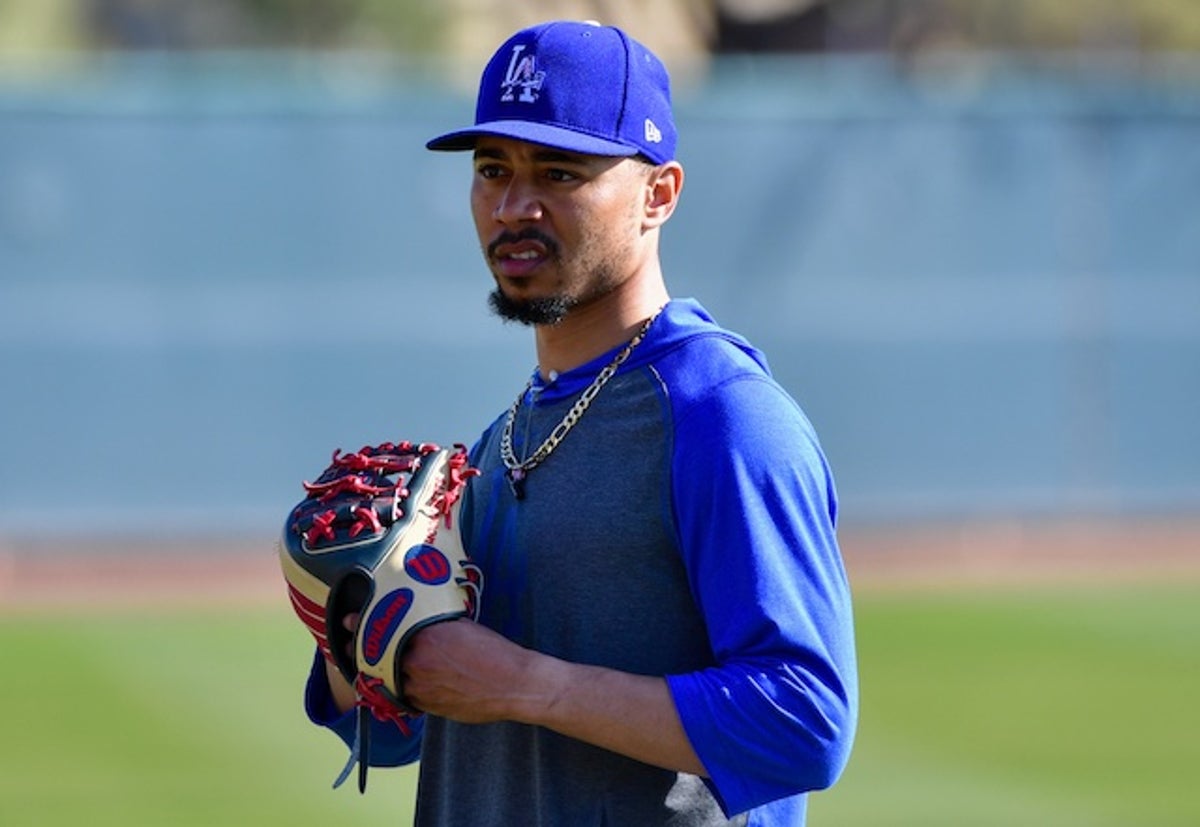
(1032, 706)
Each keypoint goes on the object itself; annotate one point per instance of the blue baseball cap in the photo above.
(580, 87)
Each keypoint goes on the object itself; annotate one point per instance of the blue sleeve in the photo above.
(389, 746)
(755, 509)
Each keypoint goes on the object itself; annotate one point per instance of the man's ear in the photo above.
(663, 186)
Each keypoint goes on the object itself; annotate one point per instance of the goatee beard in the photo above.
(547, 311)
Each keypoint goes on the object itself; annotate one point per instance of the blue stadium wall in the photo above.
(982, 285)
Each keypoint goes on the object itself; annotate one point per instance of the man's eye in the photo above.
(489, 171)
(560, 175)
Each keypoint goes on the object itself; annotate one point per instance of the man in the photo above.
(666, 634)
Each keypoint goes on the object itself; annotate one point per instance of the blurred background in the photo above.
(965, 232)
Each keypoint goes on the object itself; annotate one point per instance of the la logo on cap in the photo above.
(522, 73)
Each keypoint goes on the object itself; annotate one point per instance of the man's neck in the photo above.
(596, 328)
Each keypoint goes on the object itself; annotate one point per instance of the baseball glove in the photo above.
(376, 536)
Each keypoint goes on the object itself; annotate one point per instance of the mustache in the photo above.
(528, 234)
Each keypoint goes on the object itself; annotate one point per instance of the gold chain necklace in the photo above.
(518, 469)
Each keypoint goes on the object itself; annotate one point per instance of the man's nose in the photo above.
(519, 203)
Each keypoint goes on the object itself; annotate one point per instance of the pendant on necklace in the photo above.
(516, 481)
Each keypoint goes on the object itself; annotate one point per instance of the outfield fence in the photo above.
(981, 281)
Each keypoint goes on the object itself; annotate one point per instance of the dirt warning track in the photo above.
(132, 573)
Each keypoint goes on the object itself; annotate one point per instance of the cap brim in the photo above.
(535, 133)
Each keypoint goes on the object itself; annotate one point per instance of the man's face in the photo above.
(558, 229)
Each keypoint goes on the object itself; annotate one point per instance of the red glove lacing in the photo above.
(373, 696)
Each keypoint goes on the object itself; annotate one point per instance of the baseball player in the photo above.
(665, 632)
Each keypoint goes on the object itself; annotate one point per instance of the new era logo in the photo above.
(653, 133)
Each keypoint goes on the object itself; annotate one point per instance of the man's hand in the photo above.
(344, 695)
(464, 671)
(468, 673)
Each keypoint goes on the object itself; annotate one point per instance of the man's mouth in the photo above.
(520, 254)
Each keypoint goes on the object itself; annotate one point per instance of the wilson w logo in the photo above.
(426, 564)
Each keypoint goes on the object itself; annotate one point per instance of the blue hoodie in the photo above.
(685, 527)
